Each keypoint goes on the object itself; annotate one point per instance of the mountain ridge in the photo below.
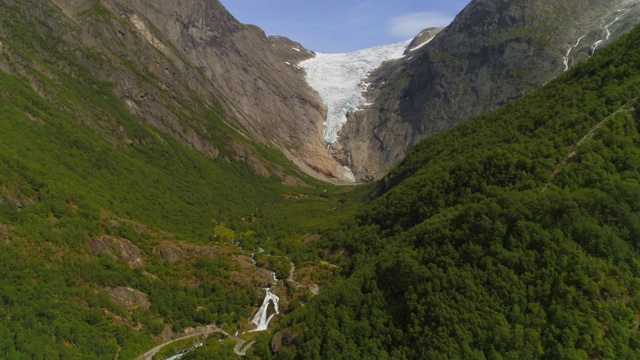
(198, 51)
(511, 235)
(493, 52)
(135, 207)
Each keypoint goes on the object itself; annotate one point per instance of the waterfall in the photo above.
(566, 57)
(261, 318)
(607, 32)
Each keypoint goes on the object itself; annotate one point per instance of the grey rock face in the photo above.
(171, 62)
(201, 58)
(289, 51)
(493, 52)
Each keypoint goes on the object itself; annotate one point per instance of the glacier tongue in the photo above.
(338, 79)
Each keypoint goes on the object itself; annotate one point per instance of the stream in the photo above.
(262, 318)
(607, 33)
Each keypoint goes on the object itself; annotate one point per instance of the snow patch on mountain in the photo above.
(416, 47)
(338, 79)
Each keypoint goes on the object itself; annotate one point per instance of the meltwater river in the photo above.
(262, 318)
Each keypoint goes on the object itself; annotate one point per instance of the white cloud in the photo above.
(410, 25)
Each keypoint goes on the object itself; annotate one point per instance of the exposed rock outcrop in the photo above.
(244, 273)
(119, 249)
(175, 63)
(129, 298)
(169, 251)
(423, 38)
(289, 51)
(249, 274)
(493, 52)
(285, 337)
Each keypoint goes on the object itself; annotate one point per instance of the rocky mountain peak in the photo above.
(202, 57)
(493, 52)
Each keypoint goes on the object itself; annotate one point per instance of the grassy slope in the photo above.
(514, 235)
(75, 165)
(466, 256)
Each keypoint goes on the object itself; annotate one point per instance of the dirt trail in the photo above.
(202, 331)
(573, 149)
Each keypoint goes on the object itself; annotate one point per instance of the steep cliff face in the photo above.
(289, 51)
(175, 60)
(493, 52)
(178, 64)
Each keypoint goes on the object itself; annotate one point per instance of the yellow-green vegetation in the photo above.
(224, 232)
(213, 349)
(512, 236)
(280, 265)
(94, 203)
(181, 346)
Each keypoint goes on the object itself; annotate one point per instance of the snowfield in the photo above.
(338, 78)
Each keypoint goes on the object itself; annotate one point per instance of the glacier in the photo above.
(339, 80)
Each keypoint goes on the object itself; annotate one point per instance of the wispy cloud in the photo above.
(411, 24)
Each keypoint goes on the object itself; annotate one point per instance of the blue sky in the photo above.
(332, 26)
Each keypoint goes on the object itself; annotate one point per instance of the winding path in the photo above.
(206, 331)
(240, 349)
(573, 149)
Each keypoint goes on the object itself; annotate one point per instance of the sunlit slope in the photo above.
(514, 235)
(95, 204)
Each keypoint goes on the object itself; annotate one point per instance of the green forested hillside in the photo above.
(93, 202)
(513, 236)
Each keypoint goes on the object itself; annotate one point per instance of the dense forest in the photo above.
(94, 203)
(512, 236)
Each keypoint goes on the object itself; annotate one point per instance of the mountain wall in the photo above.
(493, 52)
(173, 59)
(175, 63)
(512, 235)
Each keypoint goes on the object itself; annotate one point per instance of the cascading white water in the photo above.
(566, 57)
(594, 47)
(175, 357)
(607, 33)
(262, 318)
